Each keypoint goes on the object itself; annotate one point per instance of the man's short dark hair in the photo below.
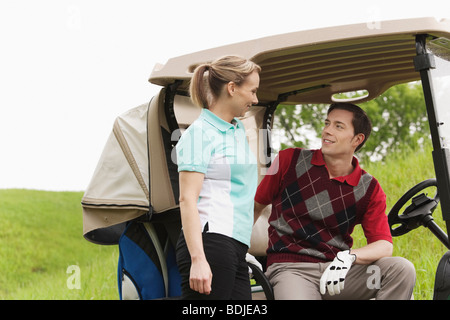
(361, 122)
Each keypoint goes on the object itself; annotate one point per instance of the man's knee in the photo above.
(398, 278)
(400, 267)
(398, 272)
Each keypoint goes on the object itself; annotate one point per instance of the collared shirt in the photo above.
(220, 151)
(352, 179)
(313, 216)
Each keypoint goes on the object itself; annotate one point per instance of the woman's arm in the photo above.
(200, 274)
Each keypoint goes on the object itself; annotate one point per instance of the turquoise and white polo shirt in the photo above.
(220, 151)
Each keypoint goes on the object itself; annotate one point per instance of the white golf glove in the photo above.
(334, 276)
(252, 260)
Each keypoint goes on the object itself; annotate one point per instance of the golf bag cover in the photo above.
(146, 270)
(442, 281)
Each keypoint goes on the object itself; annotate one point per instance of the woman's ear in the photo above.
(231, 87)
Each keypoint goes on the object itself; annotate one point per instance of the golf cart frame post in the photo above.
(424, 62)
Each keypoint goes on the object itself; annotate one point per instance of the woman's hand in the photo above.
(200, 276)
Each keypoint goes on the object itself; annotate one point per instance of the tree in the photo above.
(399, 121)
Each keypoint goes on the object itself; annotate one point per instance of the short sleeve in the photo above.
(194, 150)
(375, 223)
(270, 185)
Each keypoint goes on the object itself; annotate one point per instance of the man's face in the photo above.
(338, 135)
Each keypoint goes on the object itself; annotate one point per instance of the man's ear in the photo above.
(358, 139)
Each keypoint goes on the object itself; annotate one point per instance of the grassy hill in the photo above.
(41, 237)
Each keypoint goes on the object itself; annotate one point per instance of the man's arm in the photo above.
(333, 278)
(376, 230)
(258, 209)
(372, 252)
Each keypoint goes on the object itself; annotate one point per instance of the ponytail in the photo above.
(197, 87)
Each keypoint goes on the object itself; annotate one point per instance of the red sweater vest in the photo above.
(313, 216)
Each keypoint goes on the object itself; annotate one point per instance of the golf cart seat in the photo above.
(258, 246)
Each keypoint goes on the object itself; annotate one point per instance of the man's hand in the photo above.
(251, 259)
(334, 276)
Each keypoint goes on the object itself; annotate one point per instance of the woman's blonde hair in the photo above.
(209, 78)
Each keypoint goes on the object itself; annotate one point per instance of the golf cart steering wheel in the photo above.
(415, 215)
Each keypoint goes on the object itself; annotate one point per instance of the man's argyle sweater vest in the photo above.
(313, 216)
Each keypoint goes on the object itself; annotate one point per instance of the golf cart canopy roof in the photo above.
(312, 66)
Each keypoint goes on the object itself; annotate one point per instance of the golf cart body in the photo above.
(136, 176)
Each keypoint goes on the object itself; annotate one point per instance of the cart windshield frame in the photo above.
(433, 63)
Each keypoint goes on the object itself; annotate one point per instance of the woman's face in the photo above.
(244, 95)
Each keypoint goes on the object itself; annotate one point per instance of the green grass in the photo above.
(41, 236)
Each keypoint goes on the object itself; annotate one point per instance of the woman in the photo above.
(218, 180)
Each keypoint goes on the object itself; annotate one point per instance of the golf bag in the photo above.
(147, 268)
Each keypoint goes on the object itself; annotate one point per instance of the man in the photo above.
(317, 198)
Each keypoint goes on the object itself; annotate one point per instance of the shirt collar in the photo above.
(351, 179)
(217, 122)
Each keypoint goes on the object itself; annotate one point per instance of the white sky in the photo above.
(68, 68)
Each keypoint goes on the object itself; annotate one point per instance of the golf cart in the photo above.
(136, 180)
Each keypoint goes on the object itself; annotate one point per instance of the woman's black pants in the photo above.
(226, 258)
